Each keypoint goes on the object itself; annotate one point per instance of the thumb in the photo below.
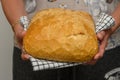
(102, 47)
(23, 34)
(100, 35)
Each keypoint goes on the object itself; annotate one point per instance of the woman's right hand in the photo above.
(19, 33)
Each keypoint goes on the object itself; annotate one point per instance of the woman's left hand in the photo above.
(103, 37)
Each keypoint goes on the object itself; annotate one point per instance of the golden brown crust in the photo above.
(62, 35)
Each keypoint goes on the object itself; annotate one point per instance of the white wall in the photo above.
(6, 47)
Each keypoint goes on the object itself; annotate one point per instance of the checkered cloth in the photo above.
(40, 64)
(104, 22)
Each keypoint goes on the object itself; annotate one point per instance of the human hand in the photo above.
(103, 37)
(19, 34)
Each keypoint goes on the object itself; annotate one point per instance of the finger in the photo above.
(101, 51)
(92, 62)
(23, 33)
(25, 56)
(99, 54)
(20, 38)
(101, 35)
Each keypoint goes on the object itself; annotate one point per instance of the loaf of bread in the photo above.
(61, 35)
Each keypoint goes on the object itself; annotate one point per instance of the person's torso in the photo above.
(94, 7)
